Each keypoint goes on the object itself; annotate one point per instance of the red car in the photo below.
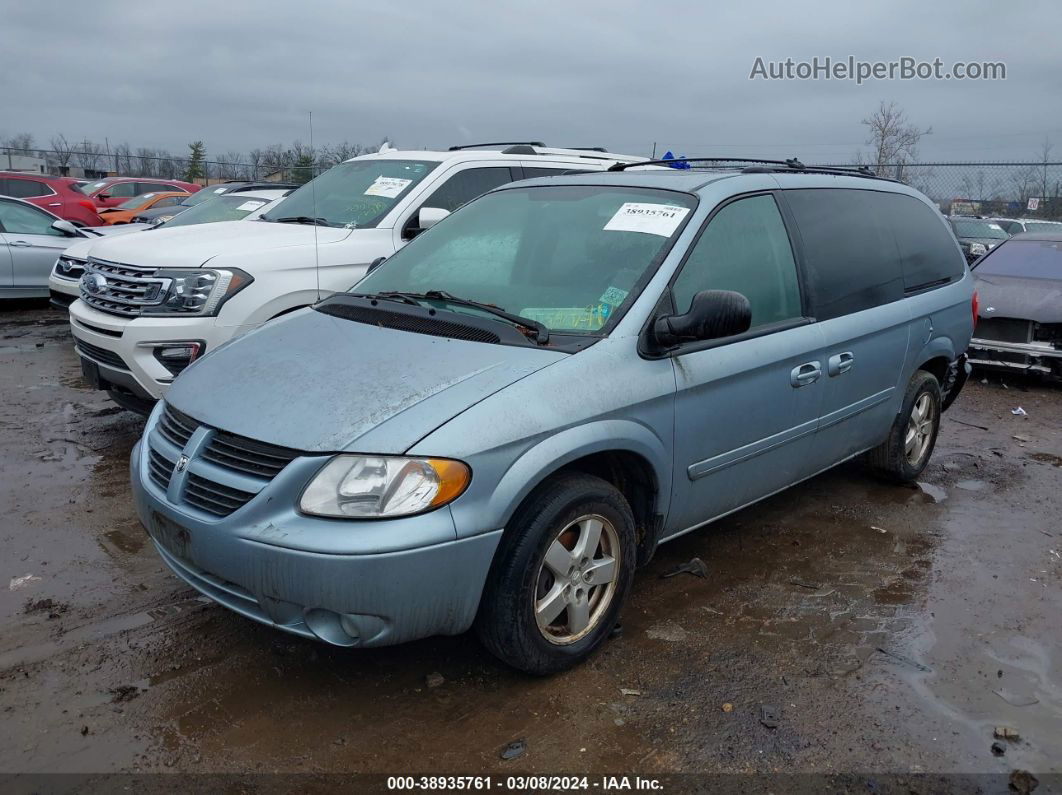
(58, 195)
(112, 191)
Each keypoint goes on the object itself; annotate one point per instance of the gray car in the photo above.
(497, 425)
(31, 239)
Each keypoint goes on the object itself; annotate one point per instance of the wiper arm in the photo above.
(301, 219)
(525, 325)
(402, 298)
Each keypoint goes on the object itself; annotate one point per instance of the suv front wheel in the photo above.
(561, 574)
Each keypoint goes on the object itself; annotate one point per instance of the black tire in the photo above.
(891, 458)
(507, 623)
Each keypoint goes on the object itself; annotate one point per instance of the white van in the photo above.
(153, 303)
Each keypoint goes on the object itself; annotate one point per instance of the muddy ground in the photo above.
(889, 628)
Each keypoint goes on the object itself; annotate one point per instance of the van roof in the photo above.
(692, 180)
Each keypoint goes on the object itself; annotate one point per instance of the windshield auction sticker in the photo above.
(251, 205)
(388, 187)
(653, 219)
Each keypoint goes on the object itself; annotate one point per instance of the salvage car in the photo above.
(1015, 226)
(112, 191)
(976, 236)
(150, 304)
(1019, 325)
(164, 214)
(499, 423)
(60, 196)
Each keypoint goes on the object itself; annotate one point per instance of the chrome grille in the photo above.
(126, 289)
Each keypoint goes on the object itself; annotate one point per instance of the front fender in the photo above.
(553, 452)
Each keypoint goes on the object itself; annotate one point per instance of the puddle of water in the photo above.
(972, 485)
(935, 493)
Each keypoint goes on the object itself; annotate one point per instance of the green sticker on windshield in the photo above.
(576, 318)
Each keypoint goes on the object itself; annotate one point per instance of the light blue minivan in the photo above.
(499, 424)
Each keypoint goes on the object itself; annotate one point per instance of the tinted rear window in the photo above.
(852, 258)
(927, 248)
(1027, 259)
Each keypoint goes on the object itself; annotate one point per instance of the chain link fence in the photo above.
(1008, 189)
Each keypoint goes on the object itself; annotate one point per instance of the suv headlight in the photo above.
(197, 292)
(381, 487)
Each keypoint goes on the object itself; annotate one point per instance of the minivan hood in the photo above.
(192, 246)
(1027, 299)
(320, 383)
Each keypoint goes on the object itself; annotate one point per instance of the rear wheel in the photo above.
(560, 576)
(906, 452)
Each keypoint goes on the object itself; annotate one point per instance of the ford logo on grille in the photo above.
(93, 283)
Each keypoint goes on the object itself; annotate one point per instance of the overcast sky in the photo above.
(241, 75)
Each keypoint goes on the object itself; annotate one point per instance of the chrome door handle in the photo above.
(20, 244)
(804, 374)
(55, 204)
(840, 363)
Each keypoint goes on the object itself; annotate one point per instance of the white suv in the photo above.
(153, 303)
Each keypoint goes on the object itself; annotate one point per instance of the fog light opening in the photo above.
(176, 356)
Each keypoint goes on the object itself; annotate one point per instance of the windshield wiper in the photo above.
(401, 298)
(524, 325)
(301, 219)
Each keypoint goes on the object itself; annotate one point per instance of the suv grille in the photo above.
(101, 355)
(231, 461)
(125, 289)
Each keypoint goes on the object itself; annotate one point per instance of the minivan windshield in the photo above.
(356, 194)
(567, 256)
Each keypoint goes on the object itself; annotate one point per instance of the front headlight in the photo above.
(381, 487)
(197, 292)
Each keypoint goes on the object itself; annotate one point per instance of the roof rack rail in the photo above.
(459, 147)
(586, 148)
(760, 166)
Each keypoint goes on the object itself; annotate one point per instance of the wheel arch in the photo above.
(624, 453)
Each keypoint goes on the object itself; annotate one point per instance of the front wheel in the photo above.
(560, 576)
(905, 453)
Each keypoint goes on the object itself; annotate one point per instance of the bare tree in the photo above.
(892, 140)
(88, 155)
(19, 144)
(230, 167)
(123, 161)
(62, 151)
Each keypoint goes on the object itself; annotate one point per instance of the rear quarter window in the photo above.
(927, 249)
(850, 251)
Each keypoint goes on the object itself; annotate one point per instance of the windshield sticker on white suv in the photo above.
(249, 206)
(388, 187)
(613, 296)
(653, 219)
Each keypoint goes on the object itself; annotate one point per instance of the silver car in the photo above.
(31, 240)
(499, 424)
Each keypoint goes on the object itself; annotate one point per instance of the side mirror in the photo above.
(430, 216)
(713, 314)
(376, 263)
(103, 195)
(65, 227)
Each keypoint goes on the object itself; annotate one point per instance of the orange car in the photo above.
(124, 212)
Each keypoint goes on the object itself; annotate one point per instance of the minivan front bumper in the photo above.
(349, 583)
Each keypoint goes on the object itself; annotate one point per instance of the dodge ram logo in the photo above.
(93, 283)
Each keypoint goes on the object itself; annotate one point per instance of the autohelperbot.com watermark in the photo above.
(851, 68)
